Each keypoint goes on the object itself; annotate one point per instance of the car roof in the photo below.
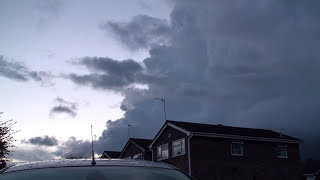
(84, 163)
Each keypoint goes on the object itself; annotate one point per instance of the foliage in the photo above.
(6, 137)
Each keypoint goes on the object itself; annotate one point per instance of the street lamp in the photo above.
(164, 106)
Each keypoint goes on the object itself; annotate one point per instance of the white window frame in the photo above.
(137, 156)
(237, 142)
(284, 146)
(181, 144)
(161, 152)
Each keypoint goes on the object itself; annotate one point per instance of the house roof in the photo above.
(143, 144)
(312, 167)
(110, 154)
(222, 131)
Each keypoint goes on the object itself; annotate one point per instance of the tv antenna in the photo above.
(164, 107)
(129, 130)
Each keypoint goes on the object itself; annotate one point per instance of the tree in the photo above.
(6, 137)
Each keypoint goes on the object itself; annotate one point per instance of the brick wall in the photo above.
(167, 136)
(211, 159)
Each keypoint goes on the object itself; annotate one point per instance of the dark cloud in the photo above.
(44, 141)
(19, 72)
(74, 147)
(244, 63)
(32, 154)
(141, 32)
(64, 107)
(107, 73)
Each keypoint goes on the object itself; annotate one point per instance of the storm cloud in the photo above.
(141, 32)
(19, 72)
(107, 73)
(26, 154)
(44, 141)
(74, 147)
(64, 107)
(241, 63)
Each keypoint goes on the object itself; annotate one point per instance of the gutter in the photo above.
(252, 138)
(189, 156)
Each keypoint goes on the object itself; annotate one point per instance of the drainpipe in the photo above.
(151, 153)
(189, 156)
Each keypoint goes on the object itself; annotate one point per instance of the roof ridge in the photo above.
(222, 125)
(140, 139)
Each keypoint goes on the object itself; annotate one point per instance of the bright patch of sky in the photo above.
(44, 36)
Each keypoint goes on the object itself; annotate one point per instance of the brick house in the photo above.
(110, 154)
(137, 149)
(222, 152)
(312, 170)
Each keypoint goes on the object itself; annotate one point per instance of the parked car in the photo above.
(104, 169)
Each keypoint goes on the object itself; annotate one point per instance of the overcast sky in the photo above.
(65, 65)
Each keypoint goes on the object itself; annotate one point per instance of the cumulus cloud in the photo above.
(29, 154)
(64, 107)
(74, 147)
(241, 63)
(141, 32)
(107, 73)
(19, 72)
(44, 141)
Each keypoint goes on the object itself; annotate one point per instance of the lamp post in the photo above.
(164, 106)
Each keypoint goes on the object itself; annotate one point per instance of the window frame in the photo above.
(159, 159)
(285, 147)
(138, 155)
(184, 144)
(237, 142)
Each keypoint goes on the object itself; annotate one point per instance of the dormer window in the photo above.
(237, 148)
(282, 151)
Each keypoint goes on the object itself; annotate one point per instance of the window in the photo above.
(163, 152)
(282, 151)
(237, 148)
(178, 147)
(137, 156)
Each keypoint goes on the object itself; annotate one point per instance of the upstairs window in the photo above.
(137, 156)
(178, 147)
(237, 148)
(282, 151)
(163, 152)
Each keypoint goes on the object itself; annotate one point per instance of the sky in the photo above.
(66, 65)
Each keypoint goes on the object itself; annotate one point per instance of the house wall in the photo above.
(181, 161)
(131, 150)
(211, 159)
(147, 156)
